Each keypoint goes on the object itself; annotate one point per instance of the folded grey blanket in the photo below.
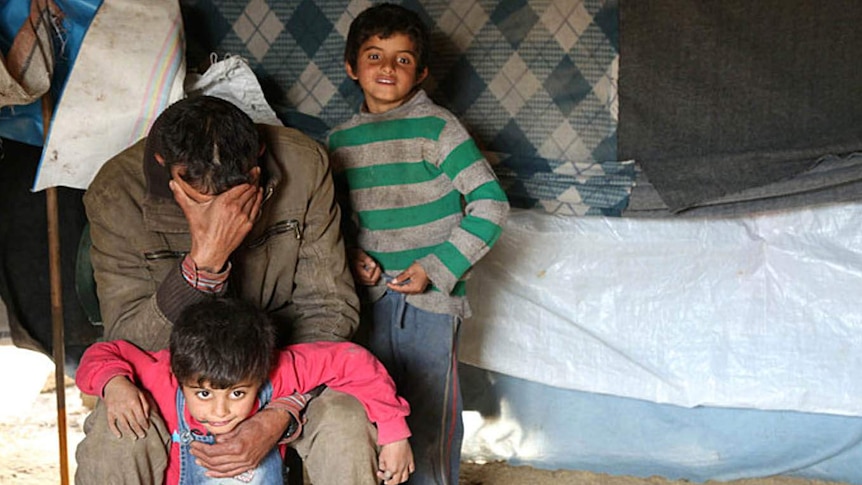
(720, 96)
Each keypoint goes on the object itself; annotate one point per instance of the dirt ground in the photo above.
(29, 442)
(502, 474)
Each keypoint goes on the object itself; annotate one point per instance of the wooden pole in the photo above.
(57, 324)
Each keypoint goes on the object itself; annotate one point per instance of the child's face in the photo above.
(386, 70)
(220, 410)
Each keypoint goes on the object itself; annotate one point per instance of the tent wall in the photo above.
(535, 81)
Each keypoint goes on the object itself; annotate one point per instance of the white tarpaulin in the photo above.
(757, 312)
(131, 66)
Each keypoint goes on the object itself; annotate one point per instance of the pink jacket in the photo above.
(342, 366)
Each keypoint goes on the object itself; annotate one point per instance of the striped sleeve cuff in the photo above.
(204, 280)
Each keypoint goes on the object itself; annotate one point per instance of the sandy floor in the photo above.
(29, 442)
(501, 474)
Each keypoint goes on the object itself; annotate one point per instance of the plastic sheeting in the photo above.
(527, 423)
(757, 312)
(130, 67)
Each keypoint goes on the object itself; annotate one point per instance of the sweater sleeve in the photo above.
(484, 214)
(347, 368)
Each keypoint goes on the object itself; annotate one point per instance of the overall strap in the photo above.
(264, 396)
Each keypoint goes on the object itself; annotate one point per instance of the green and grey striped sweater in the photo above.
(419, 190)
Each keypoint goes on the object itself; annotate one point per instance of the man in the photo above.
(211, 204)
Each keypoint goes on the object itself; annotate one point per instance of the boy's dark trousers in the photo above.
(419, 349)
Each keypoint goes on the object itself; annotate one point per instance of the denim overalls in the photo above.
(268, 472)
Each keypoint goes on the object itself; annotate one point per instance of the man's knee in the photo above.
(341, 415)
(104, 458)
(338, 442)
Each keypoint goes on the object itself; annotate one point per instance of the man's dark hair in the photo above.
(222, 341)
(384, 20)
(215, 141)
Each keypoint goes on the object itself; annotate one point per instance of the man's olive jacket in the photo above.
(292, 264)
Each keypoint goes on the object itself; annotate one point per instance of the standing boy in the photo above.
(425, 207)
(221, 368)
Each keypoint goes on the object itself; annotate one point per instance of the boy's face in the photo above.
(220, 410)
(386, 70)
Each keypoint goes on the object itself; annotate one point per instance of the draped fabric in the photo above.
(721, 96)
(534, 81)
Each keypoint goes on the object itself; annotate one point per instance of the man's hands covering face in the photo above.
(217, 223)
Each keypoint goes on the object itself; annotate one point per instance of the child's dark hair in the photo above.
(384, 20)
(222, 341)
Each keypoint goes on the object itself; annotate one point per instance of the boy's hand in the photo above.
(395, 462)
(128, 408)
(411, 281)
(366, 270)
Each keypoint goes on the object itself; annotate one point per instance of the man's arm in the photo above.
(484, 214)
(140, 292)
(142, 276)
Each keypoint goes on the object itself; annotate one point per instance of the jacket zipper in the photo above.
(278, 228)
(164, 254)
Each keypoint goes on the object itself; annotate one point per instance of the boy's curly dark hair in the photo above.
(384, 20)
(222, 341)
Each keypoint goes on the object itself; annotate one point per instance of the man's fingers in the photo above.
(201, 451)
(179, 195)
(228, 473)
(239, 194)
(252, 207)
(219, 466)
(219, 455)
(245, 198)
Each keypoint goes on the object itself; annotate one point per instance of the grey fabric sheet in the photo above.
(832, 180)
(720, 96)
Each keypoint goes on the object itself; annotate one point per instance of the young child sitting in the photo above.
(222, 367)
(425, 206)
